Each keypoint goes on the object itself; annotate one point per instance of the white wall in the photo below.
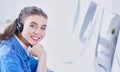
(116, 6)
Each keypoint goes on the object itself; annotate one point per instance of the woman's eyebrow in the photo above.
(37, 24)
(34, 23)
(44, 25)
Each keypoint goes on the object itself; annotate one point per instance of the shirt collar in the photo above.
(23, 45)
(19, 48)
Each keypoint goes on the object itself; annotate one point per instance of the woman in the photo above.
(19, 43)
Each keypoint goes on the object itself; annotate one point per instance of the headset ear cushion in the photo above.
(19, 27)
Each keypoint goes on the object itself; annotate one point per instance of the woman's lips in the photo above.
(34, 38)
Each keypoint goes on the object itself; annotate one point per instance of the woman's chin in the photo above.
(34, 44)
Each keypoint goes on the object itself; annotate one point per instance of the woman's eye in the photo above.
(33, 26)
(43, 28)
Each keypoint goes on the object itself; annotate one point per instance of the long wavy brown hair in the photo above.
(25, 12)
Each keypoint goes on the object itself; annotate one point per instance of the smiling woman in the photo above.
(19, 43)
(35, 28)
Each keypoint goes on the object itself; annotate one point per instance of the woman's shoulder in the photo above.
(5, 47)
(9, 58)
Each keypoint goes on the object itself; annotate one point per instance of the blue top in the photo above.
(13, 58)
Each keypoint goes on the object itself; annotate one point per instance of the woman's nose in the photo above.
(37, 31)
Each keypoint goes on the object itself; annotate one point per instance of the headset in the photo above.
(19, 28)
(19, 23)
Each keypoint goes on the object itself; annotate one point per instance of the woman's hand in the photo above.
(37, 51)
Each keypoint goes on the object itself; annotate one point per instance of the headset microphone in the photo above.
(20, 29)
(26, 41)
(30, 45)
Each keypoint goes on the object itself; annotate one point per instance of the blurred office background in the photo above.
(82, 35)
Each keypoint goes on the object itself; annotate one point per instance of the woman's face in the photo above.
(34, 28)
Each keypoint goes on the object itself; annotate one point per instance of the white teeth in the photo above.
(36, 38)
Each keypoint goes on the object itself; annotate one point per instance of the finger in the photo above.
(39, 45)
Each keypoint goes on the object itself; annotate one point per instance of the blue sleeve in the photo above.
(10, 63)
(33, 64)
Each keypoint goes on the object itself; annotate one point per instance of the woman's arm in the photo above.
(42, 63)
(40, 53)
